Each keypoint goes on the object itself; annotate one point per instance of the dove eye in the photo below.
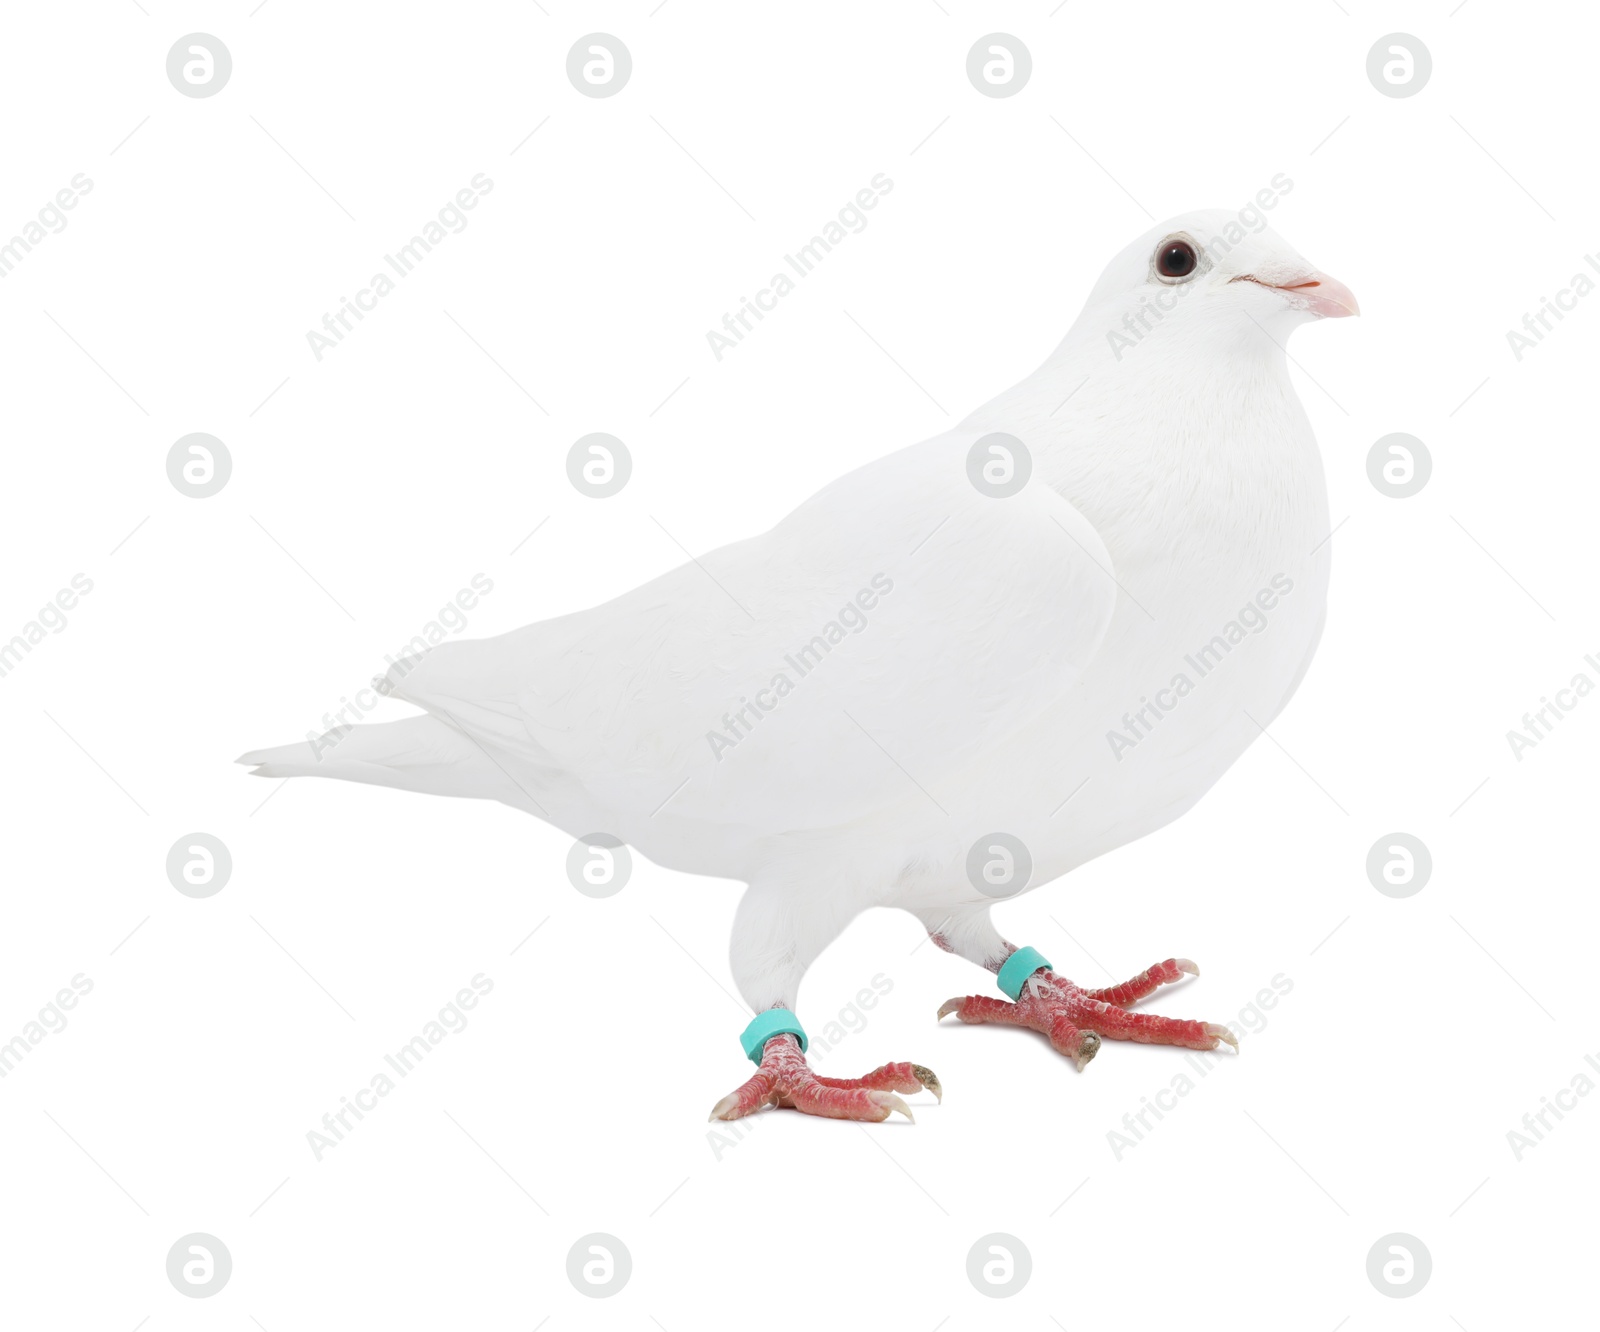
(1176, 259)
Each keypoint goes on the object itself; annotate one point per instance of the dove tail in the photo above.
(421, 754)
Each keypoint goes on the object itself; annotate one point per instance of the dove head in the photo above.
(1210, 273)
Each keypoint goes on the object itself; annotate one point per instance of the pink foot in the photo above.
(1076, 1019)
(785, 1079)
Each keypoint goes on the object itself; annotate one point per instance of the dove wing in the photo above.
(887, 631)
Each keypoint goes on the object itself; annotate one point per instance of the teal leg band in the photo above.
(764, 1026)
(1016, 969)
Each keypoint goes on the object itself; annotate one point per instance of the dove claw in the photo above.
(929, 1079)
(890, 1103)
(1222, 1033)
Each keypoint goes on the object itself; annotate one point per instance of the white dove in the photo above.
(949, 676)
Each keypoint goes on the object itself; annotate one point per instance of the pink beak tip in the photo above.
(1326, 296)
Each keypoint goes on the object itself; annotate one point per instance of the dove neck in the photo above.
(1179, 414)
(1193, 385)
(1144, 350)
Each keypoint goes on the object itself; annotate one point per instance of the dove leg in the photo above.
(773, 944)
(969, 934)
(972, 935)
(775, 940)
(1073, 1019)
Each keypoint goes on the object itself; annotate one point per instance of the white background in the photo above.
(370, 486)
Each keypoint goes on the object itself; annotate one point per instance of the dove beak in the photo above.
(1316, 293)
(1326, 296)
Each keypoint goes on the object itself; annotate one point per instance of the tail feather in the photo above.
(417, 754)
